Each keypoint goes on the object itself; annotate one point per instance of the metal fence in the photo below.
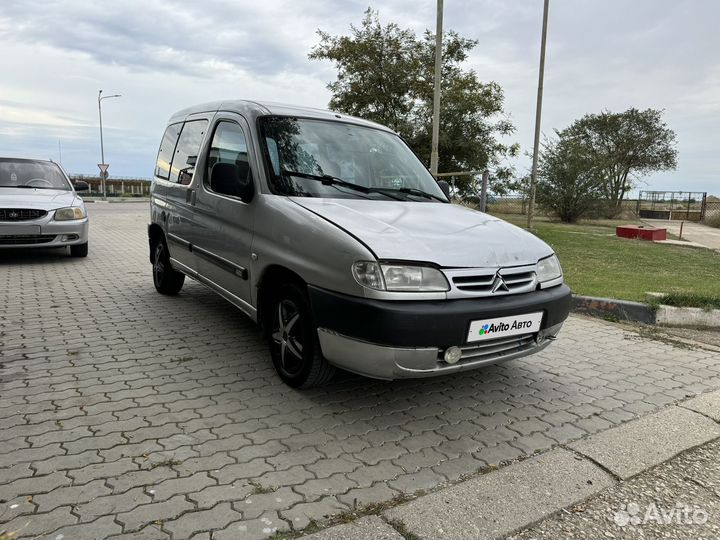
(672, 205)
(517, 204)
(712, 212)
(115, 187)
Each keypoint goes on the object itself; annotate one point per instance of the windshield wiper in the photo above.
(329, 180)
(414, 191)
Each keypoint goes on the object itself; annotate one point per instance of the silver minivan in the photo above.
(330, 233)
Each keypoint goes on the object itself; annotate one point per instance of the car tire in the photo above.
(79, 250)
(166, 280)
(293, 342)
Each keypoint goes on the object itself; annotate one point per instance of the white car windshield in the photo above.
(31, 174)
(320, 158)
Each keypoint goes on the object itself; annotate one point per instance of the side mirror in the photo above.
(191, 161)
(445, 188)
(81, 186)
(226, 178)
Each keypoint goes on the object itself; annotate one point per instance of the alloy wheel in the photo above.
(159, 264)
(287, 336)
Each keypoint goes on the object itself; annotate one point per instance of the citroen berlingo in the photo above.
(330, 233)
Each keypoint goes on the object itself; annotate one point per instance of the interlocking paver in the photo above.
(102, 470)
(359, 497)
(149, 513)
(203, 520)
(421, 480)
(210, 496)
(207, 463)
(14, 472)
(34, 485)
(35, 525)
(253, 529)
(144, 477)
(255, 505)
(71, 495)
(69, 462)
(179, 486)
(92, 395)
(113, 504)
(251, 469)
(290, 477)
(315, 488)
(100, 528)
(301, 515)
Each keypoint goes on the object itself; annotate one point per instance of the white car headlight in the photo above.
(399, 277)
(71, 212)
(549, 272)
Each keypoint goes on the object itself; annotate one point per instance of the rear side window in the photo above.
(186, 152)
(167, 149)
(229, 146)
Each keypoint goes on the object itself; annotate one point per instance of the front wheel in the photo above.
(293, 342)
(166, 280)
(79, 250)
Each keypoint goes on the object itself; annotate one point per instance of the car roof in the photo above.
(35, 160)
(254, 109)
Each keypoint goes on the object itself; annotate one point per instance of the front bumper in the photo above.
(390, 340)
(47, 234)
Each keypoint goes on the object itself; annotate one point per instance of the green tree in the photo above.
(624, 147)
(568, 183)
(385, 74)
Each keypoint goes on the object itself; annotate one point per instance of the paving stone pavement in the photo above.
(124, 413)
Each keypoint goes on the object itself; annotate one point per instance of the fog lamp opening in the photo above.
(452, 354)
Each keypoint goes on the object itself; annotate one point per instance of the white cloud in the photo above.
(164, 55)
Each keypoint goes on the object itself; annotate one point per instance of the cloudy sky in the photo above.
(163, 55)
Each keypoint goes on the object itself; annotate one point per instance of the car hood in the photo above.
(38, 199)
(448, 235)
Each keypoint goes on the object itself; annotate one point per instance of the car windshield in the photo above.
(319, 158)
(29, 173)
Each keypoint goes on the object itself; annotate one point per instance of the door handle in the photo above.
(190, 196)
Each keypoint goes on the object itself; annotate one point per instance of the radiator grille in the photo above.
(25, 239)
(21, 214)
(496, 348)
(478, 282)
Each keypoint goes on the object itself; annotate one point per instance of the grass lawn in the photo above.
(597, 263)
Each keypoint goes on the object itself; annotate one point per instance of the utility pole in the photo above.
(538, 116)
(434, 158)
(103, 174)
(483, 190)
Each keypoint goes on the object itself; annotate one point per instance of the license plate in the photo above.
(497, 327)
(19, 230)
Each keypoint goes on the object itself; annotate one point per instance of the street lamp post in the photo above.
(102, 148)
(538, 116)
(434, 156)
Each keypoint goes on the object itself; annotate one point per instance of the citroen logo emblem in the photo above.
(13, 215)
(499, 284)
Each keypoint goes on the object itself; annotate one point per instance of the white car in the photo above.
(39, 207)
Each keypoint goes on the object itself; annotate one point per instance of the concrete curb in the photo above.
(519, 495)
(687, 316)
(496, 504)
(632, 448)
(622, 310)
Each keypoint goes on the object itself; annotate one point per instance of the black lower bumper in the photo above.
(428, 323)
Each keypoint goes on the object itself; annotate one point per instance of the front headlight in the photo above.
(399, 277)
(549, 272)
(71, 212)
